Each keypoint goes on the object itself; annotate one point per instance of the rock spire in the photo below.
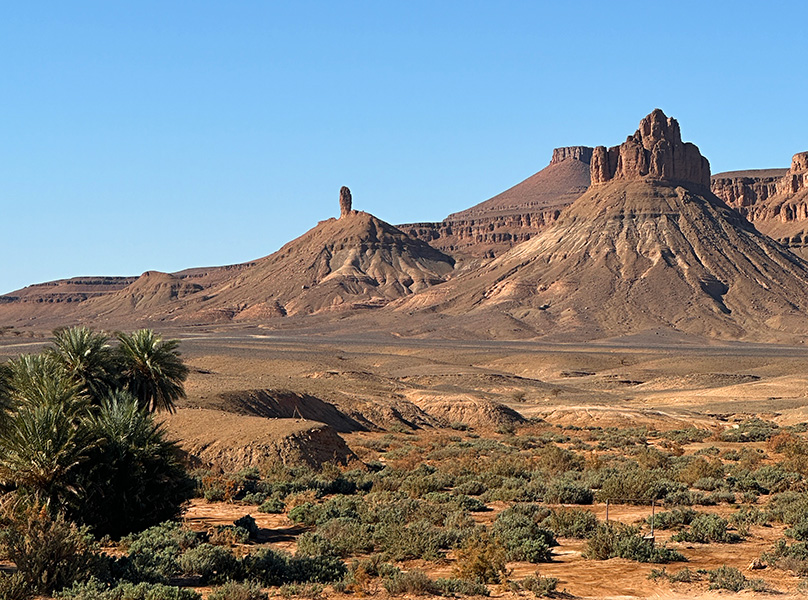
(655, 151)
(344, 201)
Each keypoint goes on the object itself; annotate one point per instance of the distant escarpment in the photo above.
(774, 200)
(514, 216)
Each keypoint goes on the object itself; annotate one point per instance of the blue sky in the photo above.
(165, 135)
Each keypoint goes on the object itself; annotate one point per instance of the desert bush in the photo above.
(540, 586)
(563, 491)
(229, 535)
(311, 591)
(49, 551)
(153, 554)
(272, 506)
(706, 528)
(571, 522)
(415, 583)
(686, 436)
(750, 430)
(616, 540)
(15, 587)
(521, 537)
(95, 590)
(481, 559)
(674, 519)
(213, 564)
(698, 468)
(233, 590)
(730, 578)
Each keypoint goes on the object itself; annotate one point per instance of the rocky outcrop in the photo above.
(514, 216)
(743, 189)
(796, 179)
(655, 151)
(345, 201)
(582, 153)
(774, 200)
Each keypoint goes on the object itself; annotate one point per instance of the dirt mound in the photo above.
(284, 404)
(632, 255)
(231, 442)
(479, 414)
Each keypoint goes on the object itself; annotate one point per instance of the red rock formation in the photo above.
(655, 151)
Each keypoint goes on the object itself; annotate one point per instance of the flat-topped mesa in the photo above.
(655, 151)
(797, 177)
(582, 153)
(345, 201)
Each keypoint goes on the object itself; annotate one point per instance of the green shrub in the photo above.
(751, 430)
(154, 553)
(94, 590)
(459, 587)
(238, 591)
(567, 492)
(707, 528)
(15, 587)
(214, 564)
(540, 586)
(415, 583)
(571, 522)
(311, 591)
(522, 537)
(616, 540)
(674, 519)
(272, 506)
(728, 578)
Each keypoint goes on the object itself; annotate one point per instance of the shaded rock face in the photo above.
(655, 151)
(345, 201)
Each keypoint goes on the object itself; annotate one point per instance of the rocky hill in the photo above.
(774, 200)
(356, 261)
(514, 216)
(647, 247)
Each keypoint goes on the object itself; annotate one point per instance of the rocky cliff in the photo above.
(774, 200)
(514, 216)
(655, 151)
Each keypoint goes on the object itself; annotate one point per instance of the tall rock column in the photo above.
(344, 201)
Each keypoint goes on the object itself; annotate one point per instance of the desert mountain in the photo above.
(774, 200)
(496, 225)
(356, 261)
(647, 247)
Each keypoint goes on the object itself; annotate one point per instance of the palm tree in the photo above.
(37, 379)
(151, 369)
(41, 446)
(86, 359)
(134, 478)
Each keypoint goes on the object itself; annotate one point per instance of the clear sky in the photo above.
(170, 134)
